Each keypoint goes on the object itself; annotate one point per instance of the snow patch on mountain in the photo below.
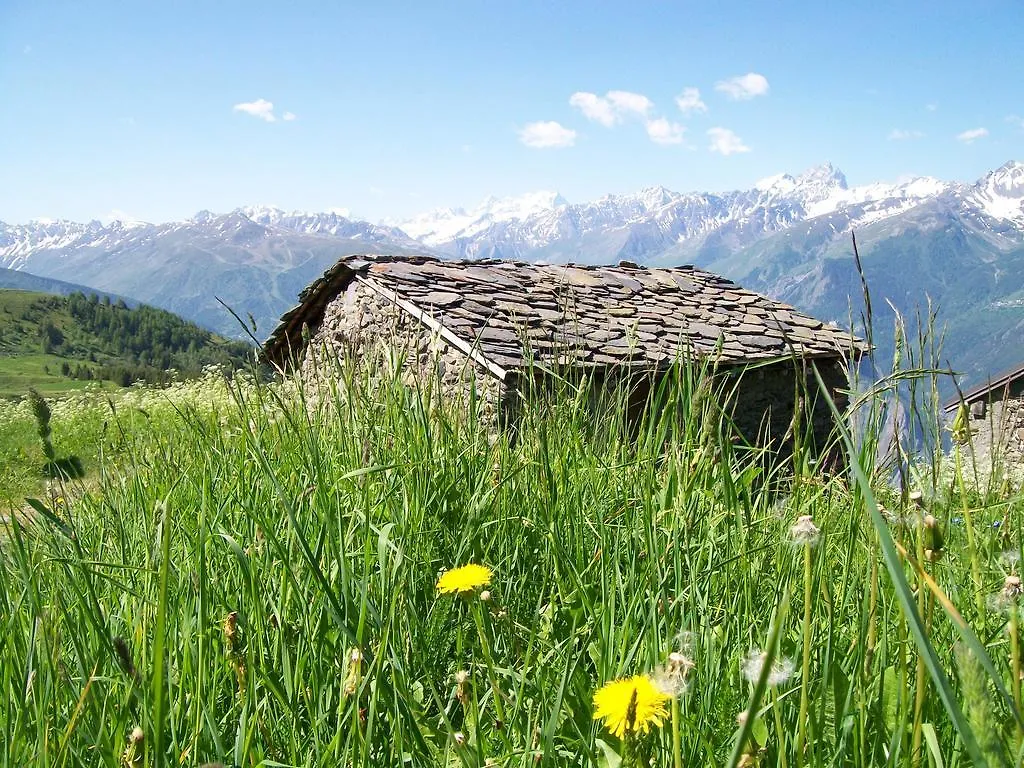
(1000, 194)
(444, 225)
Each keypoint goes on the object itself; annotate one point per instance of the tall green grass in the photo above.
(252, 583)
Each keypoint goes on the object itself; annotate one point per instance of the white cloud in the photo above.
(27, 50)
(547, 134)
(611, 108)
(594, 108)
(626, 102)
(725, 142)
(1016, 120)
(288, 116)
(931, 107)
(972, 135)
(743, 87)
(899, 134)
(260, 108)
(661, 131)
(689, 101)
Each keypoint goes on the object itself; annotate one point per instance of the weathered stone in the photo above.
(438, 299)
(498, 334)
(622, 311)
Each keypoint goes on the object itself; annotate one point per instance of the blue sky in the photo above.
(158, 109)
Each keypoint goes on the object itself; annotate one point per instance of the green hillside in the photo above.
(58, 343)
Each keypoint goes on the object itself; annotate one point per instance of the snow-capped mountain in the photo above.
(445, 225)
(335, 223)
(254, 259)
(787, 236)
(651, 221)
(1000, 194)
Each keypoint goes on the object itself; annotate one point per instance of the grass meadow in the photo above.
(248, 578)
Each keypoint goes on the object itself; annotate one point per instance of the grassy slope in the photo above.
(23, 364)
(292, 537)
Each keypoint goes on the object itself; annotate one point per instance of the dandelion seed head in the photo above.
(671, 677)
(459, 738)
(780, 507)
(485, 596)
(804, 531)
(1010, 558)
(1011, 587)
(461, 676)
(781, 669)
(741, 718)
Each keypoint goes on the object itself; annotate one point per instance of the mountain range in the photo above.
(960, 245)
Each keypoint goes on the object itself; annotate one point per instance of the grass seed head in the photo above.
(124, 657)
(354, 672)
(232, 641)
(934, 542)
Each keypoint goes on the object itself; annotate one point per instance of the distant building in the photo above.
(995, 418)
(500, 325)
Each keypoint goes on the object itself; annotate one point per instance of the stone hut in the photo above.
(499, 325)
(995, 419)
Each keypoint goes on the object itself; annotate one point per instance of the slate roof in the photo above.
(596, 316)
(996, 388)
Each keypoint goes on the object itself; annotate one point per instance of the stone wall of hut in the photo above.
(361, 327)
(768, 397)
(367, 336)
(997, 429)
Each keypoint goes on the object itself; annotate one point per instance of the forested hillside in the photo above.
(58, 342)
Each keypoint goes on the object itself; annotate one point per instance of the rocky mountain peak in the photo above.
(1006, 181)
(825, 174)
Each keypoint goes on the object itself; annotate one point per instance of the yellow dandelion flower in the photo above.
(464, 580)
(631, 705)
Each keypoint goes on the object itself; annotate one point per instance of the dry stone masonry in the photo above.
(486, 323)
(996, 422)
